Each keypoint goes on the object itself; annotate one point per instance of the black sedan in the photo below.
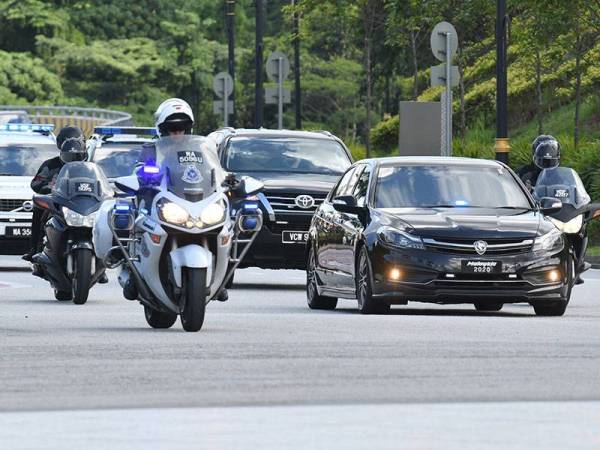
(438, 230)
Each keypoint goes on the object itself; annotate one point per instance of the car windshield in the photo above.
(117, 160)
(24, 159)
(448, 186)
(296, 155)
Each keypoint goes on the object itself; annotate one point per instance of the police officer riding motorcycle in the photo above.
(548, 179)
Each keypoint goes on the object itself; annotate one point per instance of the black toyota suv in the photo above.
(298, 170)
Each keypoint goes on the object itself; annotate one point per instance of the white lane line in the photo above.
(520, 425)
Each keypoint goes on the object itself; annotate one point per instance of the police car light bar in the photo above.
(111, 131)
(34, 127)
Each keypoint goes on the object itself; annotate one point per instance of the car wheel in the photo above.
(314, 300)
(493, 306)
(364, 293)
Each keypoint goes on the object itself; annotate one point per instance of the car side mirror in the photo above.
(251, 186)
(550, 205)
(346, 204)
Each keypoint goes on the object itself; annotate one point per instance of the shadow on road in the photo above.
(444, 312)
(269, 287)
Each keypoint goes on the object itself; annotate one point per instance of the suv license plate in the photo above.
(294, 237)
(476, 266)
(18, 232)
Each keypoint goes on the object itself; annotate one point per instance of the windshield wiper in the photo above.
(6, 174)
(513, 207)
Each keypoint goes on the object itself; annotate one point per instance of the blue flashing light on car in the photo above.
(24, 127)
(111, 131)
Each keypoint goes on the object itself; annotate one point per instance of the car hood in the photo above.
(301, 183)
(15, 187)
(476, 223)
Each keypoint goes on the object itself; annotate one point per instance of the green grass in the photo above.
(593, 251)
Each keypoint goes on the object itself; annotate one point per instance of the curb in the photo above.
(594, 261)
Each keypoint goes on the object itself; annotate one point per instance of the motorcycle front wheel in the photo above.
(82, 275)
(194, 293)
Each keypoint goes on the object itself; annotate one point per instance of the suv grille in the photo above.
(286, 203)
(467, 247)
(8, 205)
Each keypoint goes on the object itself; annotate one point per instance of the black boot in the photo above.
(103, 279)
(27, 256)
(222, 296)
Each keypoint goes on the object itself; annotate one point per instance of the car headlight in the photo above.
(552, 241)
(398, 238)
(172, 213)
(573, 226)
(213, 214)
(75, 219)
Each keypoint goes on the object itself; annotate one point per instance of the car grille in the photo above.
(467, 247)
(286, 203)
(296, 225)
(9, 205)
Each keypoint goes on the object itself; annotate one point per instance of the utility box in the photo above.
(420, 125)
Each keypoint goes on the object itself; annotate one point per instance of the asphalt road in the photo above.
(266, 372)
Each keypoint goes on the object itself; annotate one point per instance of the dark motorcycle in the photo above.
(564, 184)
(68, 260)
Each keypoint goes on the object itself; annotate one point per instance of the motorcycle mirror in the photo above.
(251, 185)
(128, 184)
(550, 205)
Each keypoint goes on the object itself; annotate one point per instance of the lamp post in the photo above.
(258, 86)
(502, 142)
(230, 21)
(297, 88)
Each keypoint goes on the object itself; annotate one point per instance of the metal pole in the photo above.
(448, 96)
(280, 93)
(231, 49)
(225, 101)
(258, 87)
(502, 141)
(297, 88)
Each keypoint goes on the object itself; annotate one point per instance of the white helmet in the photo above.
(173, 114)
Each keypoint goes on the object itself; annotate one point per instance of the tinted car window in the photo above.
(297, 155)
(117, 160)
(25, 160)
(362, 186)
(451, 185)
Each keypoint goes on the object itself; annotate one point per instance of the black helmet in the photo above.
(547, 154)
(71, 143)
(538, 140)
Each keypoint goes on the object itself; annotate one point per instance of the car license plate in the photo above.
(294, 237)
(478, 266)
(18, 232)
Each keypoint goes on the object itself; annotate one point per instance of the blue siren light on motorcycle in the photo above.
(250, 206)
(249, 223)
(150, 169)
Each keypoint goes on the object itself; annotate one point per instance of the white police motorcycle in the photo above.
(175, 235)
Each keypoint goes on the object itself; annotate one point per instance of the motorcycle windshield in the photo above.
(82, 186)
(191, 166)
(562, 183)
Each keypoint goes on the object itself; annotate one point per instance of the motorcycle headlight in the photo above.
(172, 213)
(573, 226)
(213, 214)
(400, 239)
(75, 219)
(549, 242)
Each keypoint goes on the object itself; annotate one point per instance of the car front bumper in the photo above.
(435, 277)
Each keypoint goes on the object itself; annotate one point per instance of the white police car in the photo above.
(117, 149)
(23, 148)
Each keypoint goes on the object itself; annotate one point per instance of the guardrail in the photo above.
(84, 118)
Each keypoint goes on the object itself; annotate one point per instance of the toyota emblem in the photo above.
(304, 201)
(480, 247)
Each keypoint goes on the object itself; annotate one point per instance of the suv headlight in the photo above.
(400, 239)
(573, 226)
(172, 213)
(75, 219)
(549, 242)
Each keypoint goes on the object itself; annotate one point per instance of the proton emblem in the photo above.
(191, 174)
(480, 247)
(304, 201)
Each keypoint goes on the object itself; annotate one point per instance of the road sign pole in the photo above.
(297, 88)
(448, 96)
(258, 85)
(502, 142)
(225, 101)
(230, 20)
(280, 94)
